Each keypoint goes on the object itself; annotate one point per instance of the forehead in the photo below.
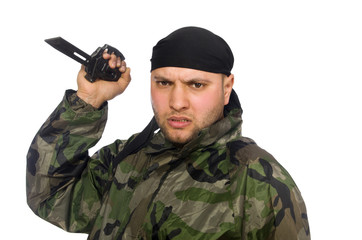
(179, 73)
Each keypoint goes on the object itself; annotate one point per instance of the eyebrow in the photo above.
(160, 78)
(192, 80)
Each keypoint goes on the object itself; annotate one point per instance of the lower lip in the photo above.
(179, 124)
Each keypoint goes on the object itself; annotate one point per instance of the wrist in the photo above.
(94, 101)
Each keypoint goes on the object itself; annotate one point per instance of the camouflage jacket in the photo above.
(218, 186)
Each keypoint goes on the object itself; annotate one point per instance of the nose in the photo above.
(178, 99)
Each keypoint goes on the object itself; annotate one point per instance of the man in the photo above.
(196, 178)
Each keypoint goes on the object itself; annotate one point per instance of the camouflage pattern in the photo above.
(218, 186)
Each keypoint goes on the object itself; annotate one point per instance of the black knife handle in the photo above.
(98, 67)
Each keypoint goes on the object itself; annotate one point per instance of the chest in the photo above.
(167, 198)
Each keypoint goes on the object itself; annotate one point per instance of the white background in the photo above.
(297, 73)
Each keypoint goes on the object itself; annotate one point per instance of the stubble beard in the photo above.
(177, 139)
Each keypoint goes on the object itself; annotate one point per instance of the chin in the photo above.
(180, 140)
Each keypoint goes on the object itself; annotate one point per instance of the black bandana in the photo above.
(195, 48)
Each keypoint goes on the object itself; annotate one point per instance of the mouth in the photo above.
(179, 122)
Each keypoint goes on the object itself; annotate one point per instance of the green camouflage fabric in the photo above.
(218, 186)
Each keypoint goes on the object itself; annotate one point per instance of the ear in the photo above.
(228, 87)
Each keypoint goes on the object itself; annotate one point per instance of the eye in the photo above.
(197, 85)
(163, 83)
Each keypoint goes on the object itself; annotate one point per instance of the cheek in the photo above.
(201, 104)
(209, 101)
(158, 100)
(207, 109)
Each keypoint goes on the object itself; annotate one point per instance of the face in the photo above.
(185, 100)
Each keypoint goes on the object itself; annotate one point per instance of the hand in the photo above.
(100, 91)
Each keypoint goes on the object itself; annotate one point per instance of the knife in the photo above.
(96, 66)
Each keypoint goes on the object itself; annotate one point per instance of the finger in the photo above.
(113, 61)
(123, 66)
(106, 55)
(123, 82)
(119, 62)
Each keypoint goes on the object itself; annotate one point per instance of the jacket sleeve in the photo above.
(63, 184)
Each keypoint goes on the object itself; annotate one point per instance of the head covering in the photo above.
(193, 47)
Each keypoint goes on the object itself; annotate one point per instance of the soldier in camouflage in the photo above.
(196, 178)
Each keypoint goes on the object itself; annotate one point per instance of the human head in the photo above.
(191, 81)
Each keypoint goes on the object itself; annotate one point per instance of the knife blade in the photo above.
(69, 49)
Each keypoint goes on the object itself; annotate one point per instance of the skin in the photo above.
(184, 100)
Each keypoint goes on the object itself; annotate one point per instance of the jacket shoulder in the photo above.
(268, 192)
(245, 151)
